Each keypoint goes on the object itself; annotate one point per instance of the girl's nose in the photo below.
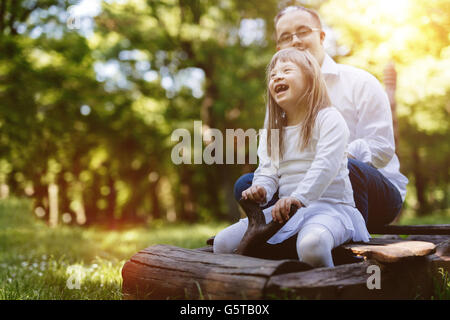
(278, 76)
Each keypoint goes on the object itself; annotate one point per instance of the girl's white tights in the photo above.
(314, 243)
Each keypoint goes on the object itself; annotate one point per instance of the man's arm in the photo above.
(374, 141)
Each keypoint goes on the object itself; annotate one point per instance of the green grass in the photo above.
(36, 261)
(437, 217)
(441, 285)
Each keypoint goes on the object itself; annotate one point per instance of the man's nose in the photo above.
(296, 41)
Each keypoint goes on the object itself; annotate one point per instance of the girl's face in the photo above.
(286, 85)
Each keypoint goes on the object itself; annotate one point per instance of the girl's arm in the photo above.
(266, 175)
(331, 152)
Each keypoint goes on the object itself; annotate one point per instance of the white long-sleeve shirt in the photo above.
(363, 103)
(365, 107)
(319, 172)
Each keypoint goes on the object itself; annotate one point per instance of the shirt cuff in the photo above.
(360, 150)
(301, 198)
(270, 191)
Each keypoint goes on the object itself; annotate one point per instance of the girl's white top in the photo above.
(317, 174)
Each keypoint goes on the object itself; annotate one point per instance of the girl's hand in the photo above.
(255, 193)
(281, 209)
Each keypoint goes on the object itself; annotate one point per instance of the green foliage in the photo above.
(93, 111)
(414, 35)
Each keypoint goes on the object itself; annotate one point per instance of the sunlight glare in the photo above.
(397, 8)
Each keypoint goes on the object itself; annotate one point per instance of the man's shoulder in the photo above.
(354, 72)
(357, 76)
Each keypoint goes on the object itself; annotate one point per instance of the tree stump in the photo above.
(406, 267)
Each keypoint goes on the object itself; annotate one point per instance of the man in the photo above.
(379, 188)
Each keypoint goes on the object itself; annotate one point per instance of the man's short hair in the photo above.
(312, 12)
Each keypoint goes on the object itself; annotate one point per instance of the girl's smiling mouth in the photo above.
(281, 88)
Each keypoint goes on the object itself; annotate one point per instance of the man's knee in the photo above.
(244, 182)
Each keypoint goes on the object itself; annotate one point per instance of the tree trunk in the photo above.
(233, 213)
(112, 199)
(4, 191)
(53, 204)
(187, 205)
(156, 208)
(420, 183)
(64, 201)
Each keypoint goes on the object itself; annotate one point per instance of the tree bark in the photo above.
(420, 183)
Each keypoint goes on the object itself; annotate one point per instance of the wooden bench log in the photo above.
(167, 272)
(390, 251)
(405, 276)
(437, 229)
(345, 282)
(397, 281)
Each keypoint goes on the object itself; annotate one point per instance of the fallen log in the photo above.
(407, 269)
(342, 282)
(356, 281)
(167, 272)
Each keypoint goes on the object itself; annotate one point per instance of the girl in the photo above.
(311, 172)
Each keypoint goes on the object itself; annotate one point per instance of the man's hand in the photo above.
(281, 209)
(255, 193)
(350, 156)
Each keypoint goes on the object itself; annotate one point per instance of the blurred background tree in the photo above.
(90, 92)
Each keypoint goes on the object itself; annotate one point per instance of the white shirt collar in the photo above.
(329, 66)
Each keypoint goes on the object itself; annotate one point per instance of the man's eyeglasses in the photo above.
(301, 33)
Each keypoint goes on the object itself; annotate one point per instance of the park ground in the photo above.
(37, 262)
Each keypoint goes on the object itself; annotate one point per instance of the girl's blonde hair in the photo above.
(314, 98)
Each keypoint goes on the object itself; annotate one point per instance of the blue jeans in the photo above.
(376, 198)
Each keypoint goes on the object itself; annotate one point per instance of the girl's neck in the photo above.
(294, 118)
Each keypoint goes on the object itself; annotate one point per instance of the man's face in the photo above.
(296, 21)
